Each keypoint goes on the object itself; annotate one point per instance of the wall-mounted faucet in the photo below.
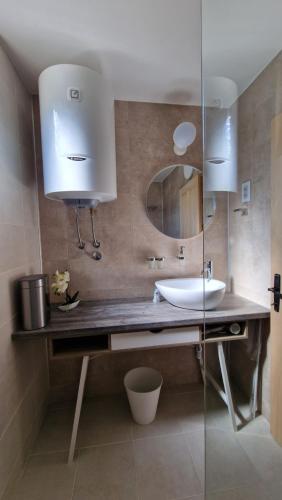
(180, 256)
(208, 269)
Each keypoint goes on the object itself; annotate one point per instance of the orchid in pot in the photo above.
(60, 286)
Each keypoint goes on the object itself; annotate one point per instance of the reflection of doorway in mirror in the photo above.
(163, 202)
(209, 207)
(191, 212)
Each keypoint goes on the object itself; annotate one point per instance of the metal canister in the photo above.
(35, 301)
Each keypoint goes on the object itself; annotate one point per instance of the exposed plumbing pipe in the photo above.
(96, 244)
(81, 243)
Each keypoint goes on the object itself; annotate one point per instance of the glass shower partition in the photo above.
(242, 94)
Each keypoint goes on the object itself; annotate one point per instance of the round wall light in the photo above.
(183, 136)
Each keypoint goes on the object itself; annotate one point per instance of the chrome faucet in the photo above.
(180, 255)
(208, 269)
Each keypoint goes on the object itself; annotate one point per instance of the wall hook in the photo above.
(242, 210)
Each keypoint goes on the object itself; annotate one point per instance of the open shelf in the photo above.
(72, 346)
(224, 334)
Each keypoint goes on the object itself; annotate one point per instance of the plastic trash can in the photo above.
(143, 386)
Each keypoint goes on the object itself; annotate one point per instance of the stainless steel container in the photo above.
(35, 301)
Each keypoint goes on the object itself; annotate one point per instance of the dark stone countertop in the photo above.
(115, 316)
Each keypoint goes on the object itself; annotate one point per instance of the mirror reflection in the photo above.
(175, 202)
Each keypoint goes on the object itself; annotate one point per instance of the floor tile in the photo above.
(176, 413)
(254, 492)
(217, 415)
(165, 469)
(120, 460)
(104, 420)
(265, 455)
(273, 490)
(45, 477)
(194, 497)
(185, 388)
(196, 446)
(55, 433)
(227, 465)
(259, 426)
(221, 495)
(166, 421)
(190, 411)
(106, 473)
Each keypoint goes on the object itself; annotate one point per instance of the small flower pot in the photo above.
(68, 307)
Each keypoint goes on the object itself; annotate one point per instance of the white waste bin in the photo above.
(143, 386)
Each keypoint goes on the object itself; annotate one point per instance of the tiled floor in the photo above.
(119, 460)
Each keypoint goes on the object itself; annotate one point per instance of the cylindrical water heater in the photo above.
(220, 166)
(78, 136)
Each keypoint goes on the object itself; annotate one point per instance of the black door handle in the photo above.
(276, 290)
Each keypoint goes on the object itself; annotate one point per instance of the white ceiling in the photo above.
(240, 37)
(149, 49)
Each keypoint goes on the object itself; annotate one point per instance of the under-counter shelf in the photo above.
(155, 338)
(223, 334)
(61, 347)
(78, 346)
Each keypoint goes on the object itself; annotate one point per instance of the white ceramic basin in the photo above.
(189, 292)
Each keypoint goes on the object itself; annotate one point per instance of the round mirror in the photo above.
(174, 202)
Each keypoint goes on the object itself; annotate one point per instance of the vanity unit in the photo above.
(97, 328)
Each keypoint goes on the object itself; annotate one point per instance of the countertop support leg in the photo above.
(83, 374)
(255, 381)
(226, 394)
(226, 383)
(199, 356)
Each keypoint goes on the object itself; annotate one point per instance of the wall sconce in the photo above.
(183, 136)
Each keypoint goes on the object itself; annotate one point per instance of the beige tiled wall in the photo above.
(250, 236)
(23, 366)
(143, 146)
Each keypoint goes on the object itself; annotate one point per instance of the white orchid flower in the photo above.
(61, 282)
(67, 276)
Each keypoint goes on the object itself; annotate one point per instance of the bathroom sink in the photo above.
(188, 293)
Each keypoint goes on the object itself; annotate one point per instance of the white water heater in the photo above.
(221, 164)
(78, 135)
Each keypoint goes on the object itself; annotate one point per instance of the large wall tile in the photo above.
(23, 366)
(250, 236)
